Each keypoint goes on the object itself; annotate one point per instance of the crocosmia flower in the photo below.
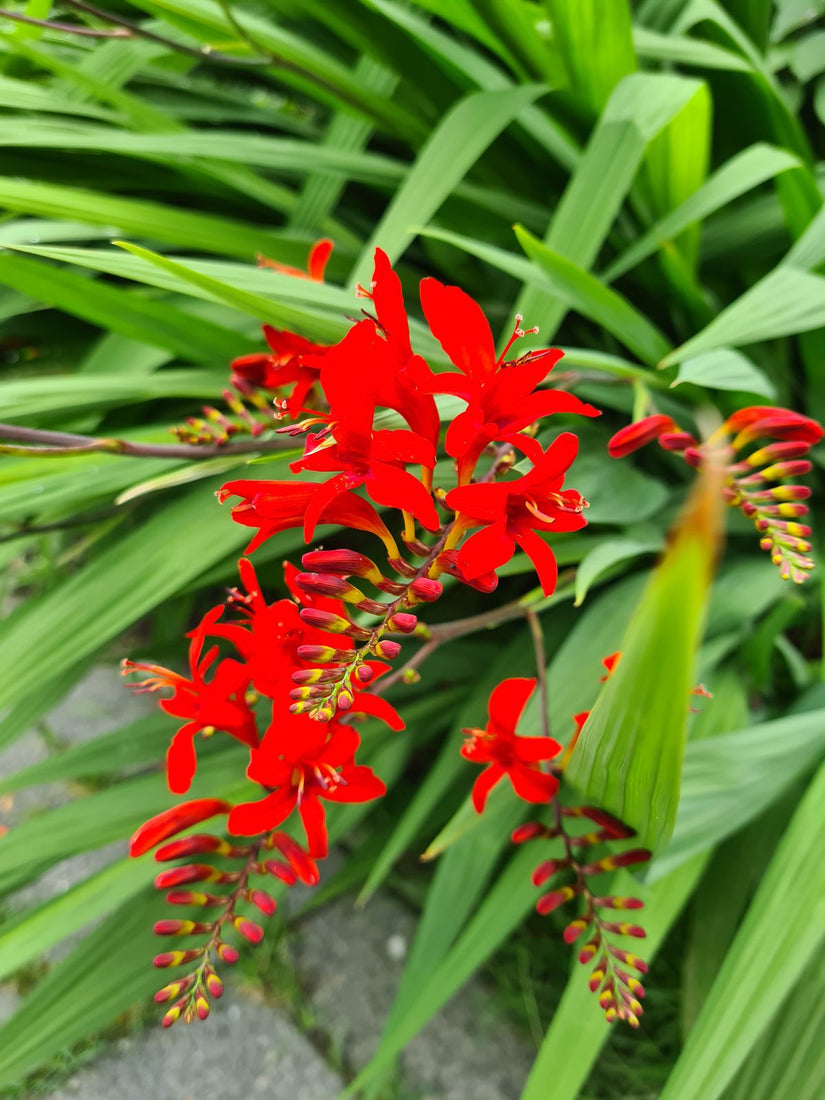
(512, 512)
(306, 762)
(504, 753)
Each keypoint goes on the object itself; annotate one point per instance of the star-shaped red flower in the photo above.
(511, 512)
(307, 763)
(503, 753)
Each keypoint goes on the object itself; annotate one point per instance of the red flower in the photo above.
(501, 396)
(274, 506)
(217, 704)
(513, 511)
(293, 360)
(504, 753)
(174, 820)
(305, 761)
(318, 259)
(390, 370)
(374, 459)
(268, 637)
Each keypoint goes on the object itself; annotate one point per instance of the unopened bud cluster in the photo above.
(619, 993)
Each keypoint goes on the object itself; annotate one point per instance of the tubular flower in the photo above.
(513, 511)
(216, 704)
(498, 747)
(274, 506)
(501, 394)
(174, 821)
(317, 262)
(749, 473)
(305, 762)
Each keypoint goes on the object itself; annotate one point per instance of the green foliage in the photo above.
(662, 164)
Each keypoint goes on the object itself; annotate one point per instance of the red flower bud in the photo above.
(318, 675)
(322, 653)
(548, 902)
(279, 870)
(190, 897)
(402, 623)
(193, 845)
(248, 929)
(335, 624)
(363, 674)
(176, 958)
(546, 870)
(575, 929)
(386, 649)
(345, 563)
(264, 902)
(614, 902)
(426, 590)
(636, 435)
(228, 954)
(529, 831)
(300, 861)
(181, 927)
(622, 859)
(175, 820)
(622, 929)
(174, 989)
(190, 872)
(201, 1006)
(214, 985)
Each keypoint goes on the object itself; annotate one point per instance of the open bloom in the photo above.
(292, 360)
(274, 506)
(306, 762)
(503, 753)
(501, 395)
(511, 513)
(209, 705)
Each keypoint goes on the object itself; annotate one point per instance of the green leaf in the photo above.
(129, 314)
(725, 369)
(727, 781)
(782, 932)
(35, 932)
(786, 302)
(628, 757)
(604, 557)
(736, 177)
(105, 975)
(586, 294)
(595, 40)
(451, 150)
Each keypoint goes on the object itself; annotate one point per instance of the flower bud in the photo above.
(194, 845)
(345, 699)
(588, 952)
(426, 590)
(248, 929)
(622, 859)
(299, 860)
(334, 624)
(629, 959)
(387, 649)
(777, 452)
(176, 958)
(182, 927)
(597, 975)
(402, 623)
(190, 897)
(173, 1014)
(636, 435)
(201, 1006)
(633, 984)
(226, 953)
(529, 831)
(364, 673)
(575, 929)
(546, 870)
(175, 820)
(174, 989)
(190, 872)
(346, 563)
(327, 584)
(622, 929)
(263, 901)
(323, 653)
(318, 675)
(614, 902)
(796, 468)
(548, 902)
(214, 985)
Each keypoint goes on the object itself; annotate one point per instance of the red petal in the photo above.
(459, 325)
(314, 818)
(507, 701)
(485, 551)
(388, 299)
(533, 786)
(530, 750)
(175, 820)
(486, 503)
(541, 556)
(484, 784)
(318, 258)
(378, 707)
(181, 762)
(359, 784)
(251, 818)
(552, 467)
(634, 436)
(399, 489)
